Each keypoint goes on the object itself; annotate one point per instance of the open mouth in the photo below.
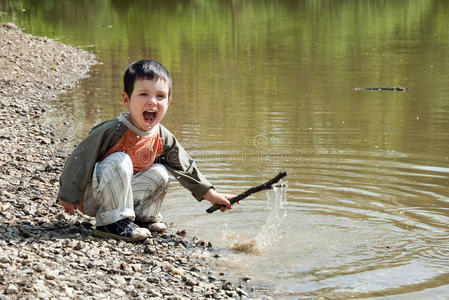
(149, 116)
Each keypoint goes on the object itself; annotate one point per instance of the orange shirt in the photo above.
(142, 150)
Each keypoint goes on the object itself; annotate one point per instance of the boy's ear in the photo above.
(125, 99)
(169, 99)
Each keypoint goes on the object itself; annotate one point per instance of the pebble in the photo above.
(12, 289)
(118, 293)
(5, 260)
(120, 280)
(46, 253)
(51, 274)
(40, 268)
(129, 288)
(40, 288)
(154, 293)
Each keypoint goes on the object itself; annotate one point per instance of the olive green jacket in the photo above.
(77, 173)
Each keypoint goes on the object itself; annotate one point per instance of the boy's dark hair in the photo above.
(145, 69)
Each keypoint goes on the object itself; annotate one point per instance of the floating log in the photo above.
(400, 89)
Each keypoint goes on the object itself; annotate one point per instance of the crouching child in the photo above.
(119, 173)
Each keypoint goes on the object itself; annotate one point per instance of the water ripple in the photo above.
(358, 223)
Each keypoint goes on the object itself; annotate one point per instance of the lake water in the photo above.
(265, 86)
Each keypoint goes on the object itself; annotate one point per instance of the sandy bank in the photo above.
(46, 253)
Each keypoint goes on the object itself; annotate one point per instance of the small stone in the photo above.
(7, 195)
(103, 250)
(40, 268)
(50, 275)
(191, 282)
(68, 291)
(196, 289)
(167, 266)
(118, 293)
(157, 227)
(149, 250)
(120, 280)
(170, 259)
(5, 206)
(182, 232)
(78, 246)
(126, 268)
(154, 293)
(40, 288)
(227, 285)
(10, 26)
(12, 289)
(92, 252)
(153, 280)
(137, 267)
(241, 292)
(129, 288)
(232, 294)
(5, 260)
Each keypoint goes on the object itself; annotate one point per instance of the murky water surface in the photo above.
(264, 86)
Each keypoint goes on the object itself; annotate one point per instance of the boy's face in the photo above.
(148, 103)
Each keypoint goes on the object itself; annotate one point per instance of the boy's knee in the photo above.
(119, 161)
(162, 173)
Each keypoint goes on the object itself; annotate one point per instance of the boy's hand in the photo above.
(218, 198)
(69, 207)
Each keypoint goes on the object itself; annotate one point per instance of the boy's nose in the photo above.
(152, 100)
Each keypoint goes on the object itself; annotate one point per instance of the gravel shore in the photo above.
(44, 252)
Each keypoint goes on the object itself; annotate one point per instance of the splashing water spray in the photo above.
(269, 232)
(277, 197)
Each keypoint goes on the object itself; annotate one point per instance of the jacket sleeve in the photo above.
(181, 165)
(77, 173)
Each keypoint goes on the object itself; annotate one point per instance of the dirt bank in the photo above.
(45, 253)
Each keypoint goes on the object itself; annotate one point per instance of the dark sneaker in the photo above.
(152, 226)
(122, 230)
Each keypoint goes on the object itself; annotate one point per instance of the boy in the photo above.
(118, 173)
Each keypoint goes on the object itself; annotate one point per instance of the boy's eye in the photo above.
(160, 96)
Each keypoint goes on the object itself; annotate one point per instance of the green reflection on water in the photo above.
(238, 61)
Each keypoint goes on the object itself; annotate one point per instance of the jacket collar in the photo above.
(124, 119)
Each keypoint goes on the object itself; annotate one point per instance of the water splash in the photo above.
(270, 230)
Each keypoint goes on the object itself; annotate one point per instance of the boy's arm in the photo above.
(185, 170)
(78, 169)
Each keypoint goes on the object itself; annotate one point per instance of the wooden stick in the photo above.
(265, 186)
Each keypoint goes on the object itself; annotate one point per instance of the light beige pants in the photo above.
(115, 193)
